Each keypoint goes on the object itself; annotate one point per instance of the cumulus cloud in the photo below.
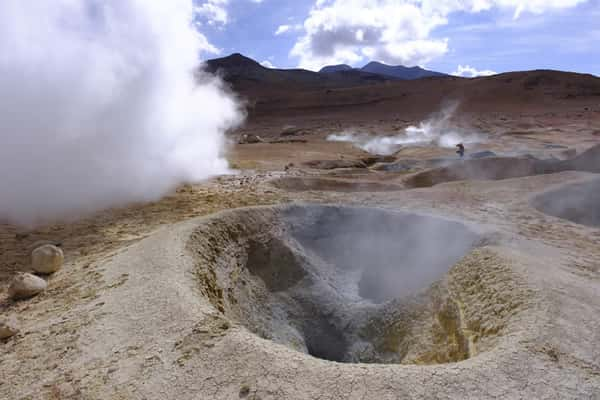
(347, 31)
(100, 105)
(214, 11)
(391, 31)
(267, 64)
(470, 72)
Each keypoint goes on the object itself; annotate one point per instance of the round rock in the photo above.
(47, 259)
(8, 328)
(26, 285)
(40, 243)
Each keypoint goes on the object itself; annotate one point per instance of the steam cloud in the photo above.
(100, 106)
(436, 131)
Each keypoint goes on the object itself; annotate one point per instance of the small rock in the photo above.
(21, 235)
(47, 259)
(244, 391)
(26, 285)
(250, 139)
(8, 328)
(290, 130)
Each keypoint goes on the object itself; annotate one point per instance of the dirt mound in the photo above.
(497, 168)
(493, 168)
(336, 164)
(579, 203)
(588, 161)
(303, 184)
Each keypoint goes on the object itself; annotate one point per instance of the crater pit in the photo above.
(342, 284)
(578, 202)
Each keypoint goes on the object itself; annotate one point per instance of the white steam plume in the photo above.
(437, 131)
(99, 105)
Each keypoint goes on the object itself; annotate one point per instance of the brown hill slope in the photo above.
(348, 98)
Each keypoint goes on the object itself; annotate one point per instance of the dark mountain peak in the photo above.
(335, 68)
(234, 60)
(374, 64)
(399, 71)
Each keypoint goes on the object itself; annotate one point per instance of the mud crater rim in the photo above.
(576, 202)
(341, 283)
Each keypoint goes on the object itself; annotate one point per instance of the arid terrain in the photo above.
(319, 270)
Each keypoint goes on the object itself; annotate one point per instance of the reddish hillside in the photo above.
(295, 96)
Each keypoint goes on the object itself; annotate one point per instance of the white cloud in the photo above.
(470, 72)
(282, 29)
(518, 7)
(214, 11)
(287, 28)
(267, 64)
(347, 31)
(524, 6)
(392, 31)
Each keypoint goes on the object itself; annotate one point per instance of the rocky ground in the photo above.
(134, 312)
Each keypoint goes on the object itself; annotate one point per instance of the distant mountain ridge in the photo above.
(374, 67)
(335, 68)
(400, 71)
(241, 70)
(299, 95)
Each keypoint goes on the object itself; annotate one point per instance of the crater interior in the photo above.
(344, 284)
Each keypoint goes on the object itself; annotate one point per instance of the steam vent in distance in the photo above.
(312, 200)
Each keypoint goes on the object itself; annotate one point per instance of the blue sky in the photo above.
(470, 37)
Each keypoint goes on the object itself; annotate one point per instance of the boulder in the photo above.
(47, 259)
(8, 328)
(24, 286)
(40, 243)
(250, 139)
